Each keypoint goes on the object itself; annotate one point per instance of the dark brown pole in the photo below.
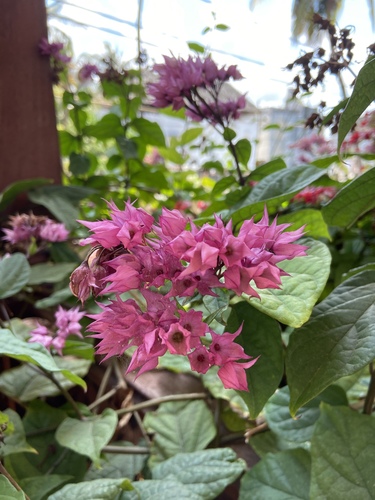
(28, 139)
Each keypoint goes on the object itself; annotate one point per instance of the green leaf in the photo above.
(79, 164)
(338, 340)
(172, 155)
(260, 336)
(118, 465)
(15, 442)
(40, 423)
(68, 143)
(54, 299)
(293, 303)
(190, 135)
(88, 436)
(97, 489)
(279, 476)
(300, 428)
(342, 453)
(362, 96)
(109, 127)
(24, 383)
(222, 27)
(150, 132)
(165, 489)
(180, 427)
(128, 148)
(79, 349)
(48, 272)
(229, 134)
(61, 201)
(267, 169)
(14, 189)
(14, 274)
(269, 442)
(352, 201)
(8, 491)
(41, 487)
(196, 47)
(243, 151)
(313, 219)
(223, 184)
(274, 189)
(206, 473)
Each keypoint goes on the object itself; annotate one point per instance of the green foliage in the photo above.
(14, 274)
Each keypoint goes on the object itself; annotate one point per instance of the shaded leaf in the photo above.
(180, 427)
(279, 476)
(47, 272)
(342, 453)
(14, 189)
(97, 489)
(362, 96)
(206, 473)
(352, 201)
(337, 341)
(14, 274)
(8, 491)
(293, 303)
(316, 227)
(106, 128)
(260, 336)
(150, 132)
(88, 436)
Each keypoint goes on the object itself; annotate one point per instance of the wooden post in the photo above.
(28, 138)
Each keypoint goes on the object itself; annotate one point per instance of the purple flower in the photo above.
(87, 72)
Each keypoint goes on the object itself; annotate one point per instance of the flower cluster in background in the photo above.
(168, 260)
(55, 51)
(315, 195)
(26, 229)
(195, 84)
(66, 324)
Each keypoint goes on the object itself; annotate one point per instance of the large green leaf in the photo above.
(338, 340)
(293, 302)
(150, 132)
(8, 491)
(14, 274)
(61, 201)
(88, 436)
(118, 465)
(41, 487)
(352, 201)
(40, 423)
(260, 336)
(24, 383)
(15, 442)
(279, 476)
(180, 427)
(106, 128)
(362, 96)
(312, 219)
(50, 273)
(97, 489)
(343, 453)
(206, 473)
(266, 169)
(274, 189)
(166, 489)
(300, 428)
(14, 189)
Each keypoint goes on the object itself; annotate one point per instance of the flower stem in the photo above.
(5, 473)
(370, 396)
(164, 399)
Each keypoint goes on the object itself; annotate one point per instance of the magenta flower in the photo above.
(66, 324)
(166, 261)
(28, 228)
(87, 72)
(195, 84)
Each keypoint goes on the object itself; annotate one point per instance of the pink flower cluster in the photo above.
(28, 227)
(195, 84)
(53, 50)
(315, 195)
(361, 140)
(308, 148)
(132, 252)
(66, 323)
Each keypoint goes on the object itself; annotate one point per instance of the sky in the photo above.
(258, 42)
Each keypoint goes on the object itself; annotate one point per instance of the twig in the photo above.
(5, 473)
(133, 450)
(142, 428)
(103, 398)
(164, 399)
(370, 396)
